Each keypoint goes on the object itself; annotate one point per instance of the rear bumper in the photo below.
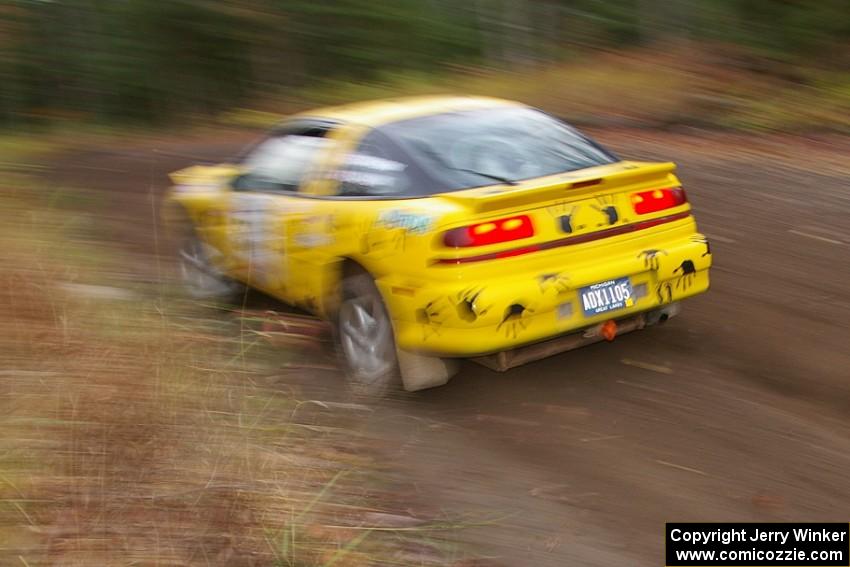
(507, 359)
(531, 304)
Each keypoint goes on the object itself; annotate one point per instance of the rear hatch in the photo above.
(578, 208)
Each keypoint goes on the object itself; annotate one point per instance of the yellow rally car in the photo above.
(438, 228)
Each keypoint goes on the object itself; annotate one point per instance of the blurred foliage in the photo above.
(154, 61)
(142, 429)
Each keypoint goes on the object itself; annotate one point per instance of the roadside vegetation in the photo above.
(139, 428)
(648, 88)
(739, 64)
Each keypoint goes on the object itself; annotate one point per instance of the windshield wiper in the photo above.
(504, 180)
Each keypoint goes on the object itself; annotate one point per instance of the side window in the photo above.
(376, 168)
(280, 163)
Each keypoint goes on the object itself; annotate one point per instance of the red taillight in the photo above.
(658, 200)
(490, 232)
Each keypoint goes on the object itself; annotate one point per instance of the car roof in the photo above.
(379, 112)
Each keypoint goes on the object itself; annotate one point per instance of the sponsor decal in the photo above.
(412, 222)
(312, 239)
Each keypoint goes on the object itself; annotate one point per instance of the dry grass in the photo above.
(679, 84)
(141, 430)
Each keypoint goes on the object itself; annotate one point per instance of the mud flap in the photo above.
(420, 372)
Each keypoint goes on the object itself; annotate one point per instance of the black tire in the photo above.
(365, 339)
(199, 278)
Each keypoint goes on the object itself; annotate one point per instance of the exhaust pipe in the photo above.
(661, 315)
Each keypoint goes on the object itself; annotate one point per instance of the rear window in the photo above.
(461, 150)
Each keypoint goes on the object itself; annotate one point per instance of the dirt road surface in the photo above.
(738, 410)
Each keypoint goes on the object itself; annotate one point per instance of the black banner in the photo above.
(758, 545)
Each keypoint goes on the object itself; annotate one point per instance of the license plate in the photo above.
(606, 296)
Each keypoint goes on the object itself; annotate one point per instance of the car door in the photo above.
(266, 201)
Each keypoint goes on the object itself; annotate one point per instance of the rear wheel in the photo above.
(367, 344)
(365, 337)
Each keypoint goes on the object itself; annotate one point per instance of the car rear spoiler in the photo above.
(492, 198)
